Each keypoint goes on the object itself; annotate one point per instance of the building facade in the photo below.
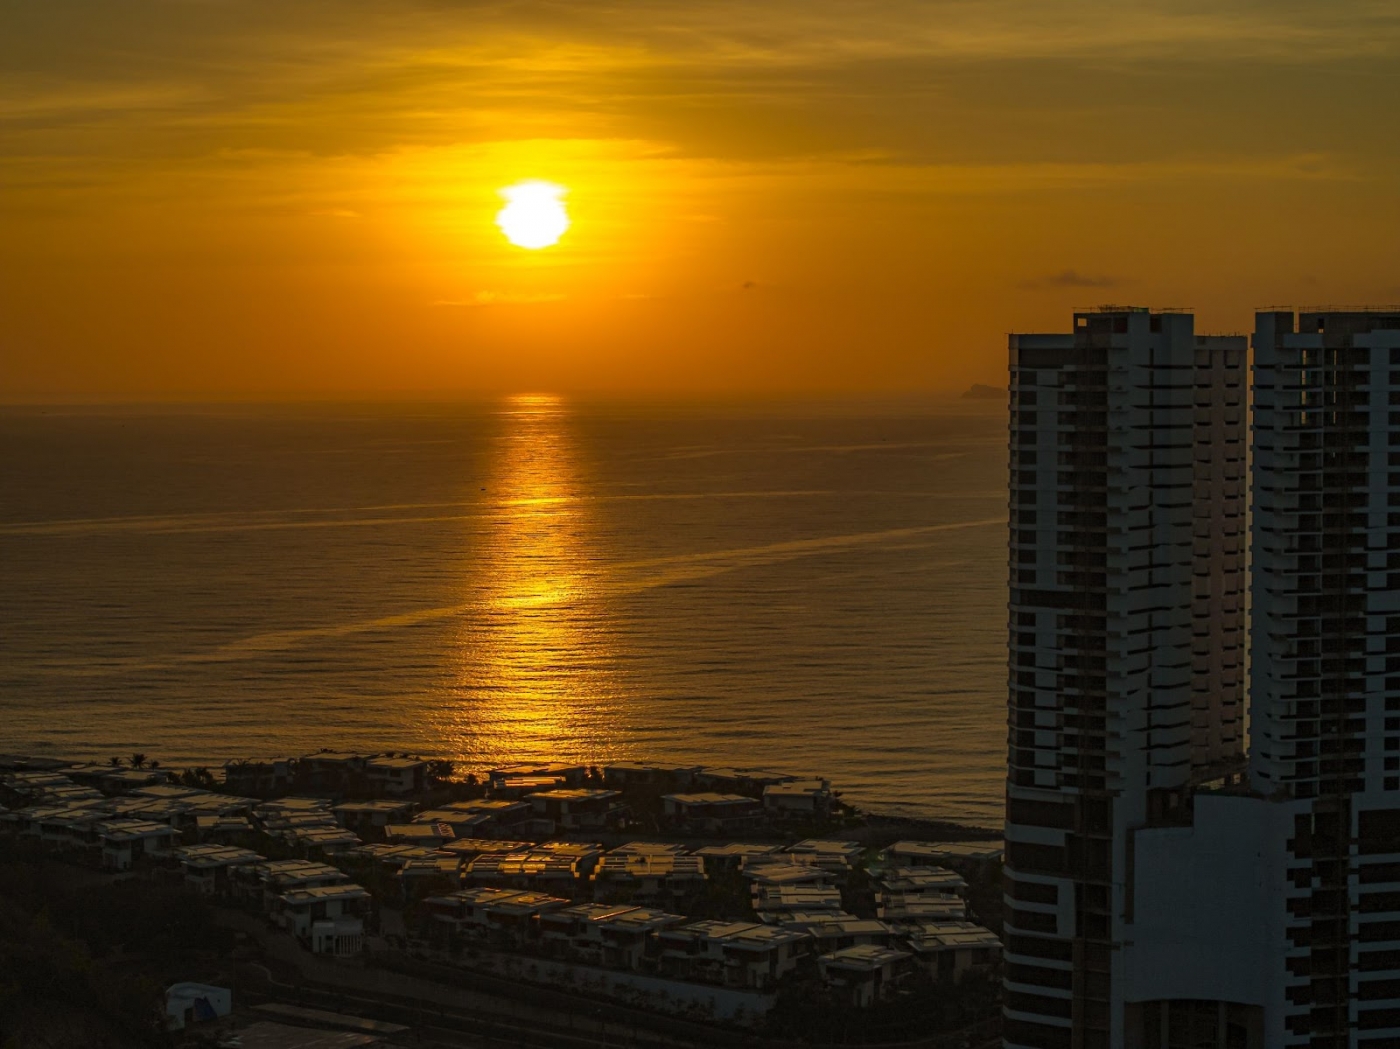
(1243, 910)
(1126, 623)
(1325, 648)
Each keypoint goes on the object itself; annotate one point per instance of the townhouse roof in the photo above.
(949, 936)
(774, 873)
(208, 857)
(741, 849)
(863, 957)
(400, 764)
(476, 846)
(385, 805)
(575, 794)
(324, 894)
(649, 848)
(710, 798)
(946, 850)
(132, 830)
(824, 846)
(921, 879)
(648, 865)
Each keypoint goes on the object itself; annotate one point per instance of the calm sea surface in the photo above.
(812, 589)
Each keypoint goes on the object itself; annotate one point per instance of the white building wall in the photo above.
(1108, 714)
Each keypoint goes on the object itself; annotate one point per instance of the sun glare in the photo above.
(534, 215)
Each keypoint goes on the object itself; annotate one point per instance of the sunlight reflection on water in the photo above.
(535, 674)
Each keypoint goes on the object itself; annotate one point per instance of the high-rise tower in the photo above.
(1325, 650)
(1126, 627)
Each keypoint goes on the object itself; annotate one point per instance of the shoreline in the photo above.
(877, 828)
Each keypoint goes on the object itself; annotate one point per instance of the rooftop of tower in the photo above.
(1109, 308)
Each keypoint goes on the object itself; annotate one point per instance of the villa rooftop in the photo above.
(325, 893)
(864, 957)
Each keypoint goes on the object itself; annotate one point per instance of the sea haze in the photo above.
(814, 589)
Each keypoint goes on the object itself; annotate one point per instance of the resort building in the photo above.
(578, 808)
(367, 817)
(207, 867)
(618, 937)
(711, 813)
(507, 917)
(674, 879)
(797, 801)
(560, 871)
(733, 954)
(950, 950)
(297, 910)
(734, 855)
(126, 842)
(865, 974)
(396, 776)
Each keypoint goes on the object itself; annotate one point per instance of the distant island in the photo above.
(979, 392)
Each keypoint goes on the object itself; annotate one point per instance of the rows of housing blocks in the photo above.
(469, 884)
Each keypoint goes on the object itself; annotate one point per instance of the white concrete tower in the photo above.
(1325, 651)
(1126, 516)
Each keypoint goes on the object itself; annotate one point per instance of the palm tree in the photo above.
(440, 771)
(155, 764)
(137, 760)
(114, 762)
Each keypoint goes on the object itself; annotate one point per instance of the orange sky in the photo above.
(295, 198)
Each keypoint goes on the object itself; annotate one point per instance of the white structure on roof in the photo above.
(192, 1003)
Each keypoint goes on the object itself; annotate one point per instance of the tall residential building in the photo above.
(1325, 651)
(1156, 897)
(1126, 635)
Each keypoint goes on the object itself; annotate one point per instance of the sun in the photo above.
(534, 215)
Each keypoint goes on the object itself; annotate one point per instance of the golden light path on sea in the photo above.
(533, 666)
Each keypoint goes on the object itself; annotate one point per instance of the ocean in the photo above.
(812, 588)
